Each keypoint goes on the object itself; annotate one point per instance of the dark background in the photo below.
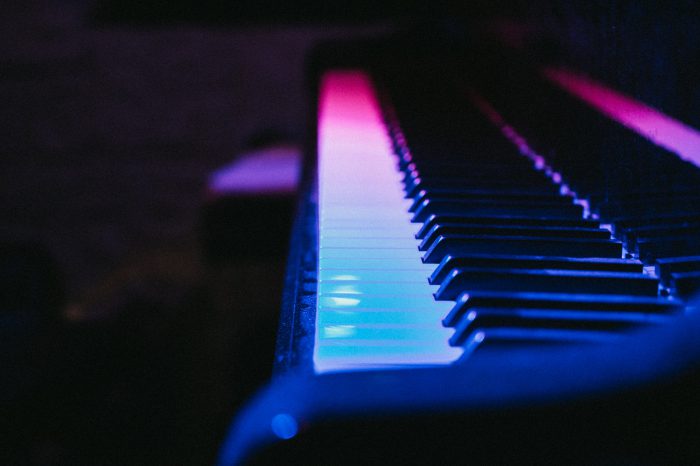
(138, 348)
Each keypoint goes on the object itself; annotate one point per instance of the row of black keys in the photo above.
(519, 259)
(650, 196)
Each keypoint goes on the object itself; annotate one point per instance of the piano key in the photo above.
(630, 235)
(470, 166)
(482, 319)
(525, 175)
(352, 224)
(370, 275)
(651, 248)
(623, 222)
(574, 301)
(368, 232)
(500, 339)
(501, 230)
(367, 253)
(413, 188)
(551, 281)
(685, 284)
(647, 193)
(494, 196)
(521, 220)
(365, 212)
(666, 266)
(648, 205)
(416, 298)
(471, 207)
(539, 193)
(455, 245)
(450, 263)
(333, 356)
(393, 331)
(374, 263)
(372, 288)
(385, 317)
(380, 243)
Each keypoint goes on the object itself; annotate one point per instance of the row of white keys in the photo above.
(375, 307)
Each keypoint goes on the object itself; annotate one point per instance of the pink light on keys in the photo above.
(654, 125)
(375, 307)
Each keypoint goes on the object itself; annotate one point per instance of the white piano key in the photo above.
(368, 253)
(374, 263)
(339, 356)
(356, 224)
(384, 243)
(369, 275)
(359, 220)
(374, 288)
(381, 332)
(363, 317)
(406, 300)
(365, 233)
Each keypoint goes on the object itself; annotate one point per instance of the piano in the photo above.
(494, 260)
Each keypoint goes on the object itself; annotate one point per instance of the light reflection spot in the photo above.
(338, 331)
(284, 426)
(344, 301)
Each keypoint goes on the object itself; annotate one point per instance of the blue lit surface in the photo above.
(284, 426)
(375, 307)
(531, 377)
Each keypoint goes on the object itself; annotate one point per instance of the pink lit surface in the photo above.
(375, 307)
(266, 171)
(659, 128)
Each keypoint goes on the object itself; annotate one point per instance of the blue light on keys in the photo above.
(375, 307)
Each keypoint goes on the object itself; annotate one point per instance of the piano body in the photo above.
(494, 261)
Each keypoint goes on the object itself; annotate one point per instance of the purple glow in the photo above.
(272, 170)
(659, 128)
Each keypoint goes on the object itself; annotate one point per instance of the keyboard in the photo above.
(460, 271)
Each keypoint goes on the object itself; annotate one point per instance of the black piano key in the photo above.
(543, 192)
(632, 195)
(630, 235)
(463, 159)
(621, 223)
(665, 267)
(648, 206)
(515, 245)
(520, 220)
(470, 207)
(525, 178)
(415, 186)
(502, 230)
(549, 281)
(507, 338)
(482, 319)
(683, 245)
(450, 263)
(468, 157)
(468, 171)
(685, 284)
(560, 301)
(499, 195)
